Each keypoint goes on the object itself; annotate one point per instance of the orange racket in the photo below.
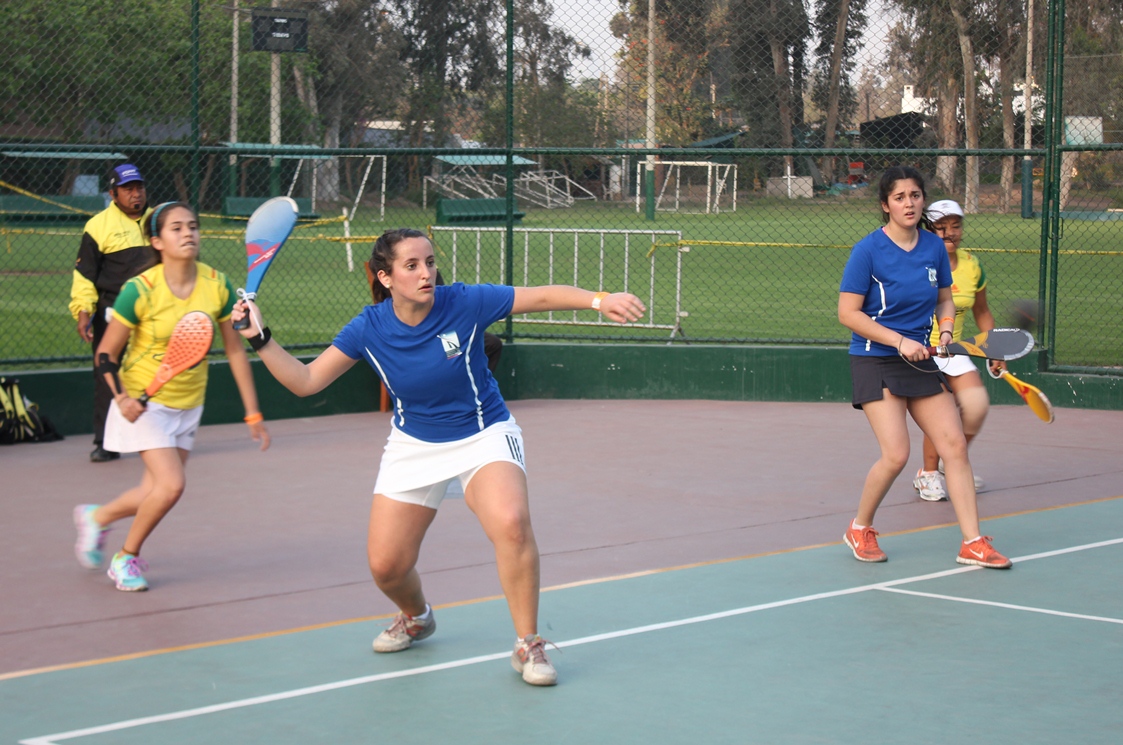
(190, 342)
(1037, 401)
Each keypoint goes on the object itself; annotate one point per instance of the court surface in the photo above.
(696, 588)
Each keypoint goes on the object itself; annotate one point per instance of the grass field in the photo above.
(782, 291)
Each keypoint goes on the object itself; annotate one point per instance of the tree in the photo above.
(451, 52)
(927, 38)
(768, 39)
(839, 24)
(352, 75)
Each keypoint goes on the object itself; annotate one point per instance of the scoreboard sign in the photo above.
(279, 30)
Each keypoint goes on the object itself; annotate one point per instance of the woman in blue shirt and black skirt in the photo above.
(894, 279)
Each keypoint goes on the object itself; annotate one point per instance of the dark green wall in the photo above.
(592, 371)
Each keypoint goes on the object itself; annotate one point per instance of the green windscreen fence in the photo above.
(718, 158)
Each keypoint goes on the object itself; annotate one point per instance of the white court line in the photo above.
(298, 692)
(1002, 605)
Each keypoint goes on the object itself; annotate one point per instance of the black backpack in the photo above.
(20, 420)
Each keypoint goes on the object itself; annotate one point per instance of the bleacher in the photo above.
(474, 212)
(235, 207)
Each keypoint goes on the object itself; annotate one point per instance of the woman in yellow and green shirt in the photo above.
(969, 292)
(163, 431)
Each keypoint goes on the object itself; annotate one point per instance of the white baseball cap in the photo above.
(944, 208)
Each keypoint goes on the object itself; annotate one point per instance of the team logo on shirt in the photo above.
(451, 343)
(932, 276)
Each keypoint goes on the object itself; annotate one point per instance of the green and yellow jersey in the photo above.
(147, 306)
(967, 279)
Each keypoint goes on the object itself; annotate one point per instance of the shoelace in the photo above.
(536, 650)
(402, 624)
(135, 565)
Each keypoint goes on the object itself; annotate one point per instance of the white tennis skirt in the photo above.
(158, 427)
(419, 472)
(956, 365)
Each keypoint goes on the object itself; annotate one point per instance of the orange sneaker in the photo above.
(864, 544)
(981, 554)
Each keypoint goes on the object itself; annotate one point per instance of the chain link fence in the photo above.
(717, 157)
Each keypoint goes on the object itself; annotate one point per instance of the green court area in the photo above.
(807, 646)
(778, 283)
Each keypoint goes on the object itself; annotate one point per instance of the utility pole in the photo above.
(649, 176)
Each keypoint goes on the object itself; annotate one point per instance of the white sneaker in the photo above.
(930, 486)
(980, 485)
(529, 658)
(403, 632)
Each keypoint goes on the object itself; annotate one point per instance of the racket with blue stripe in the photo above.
(269, 227)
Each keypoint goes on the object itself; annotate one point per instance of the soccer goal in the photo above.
(339, 182)
(694, 187)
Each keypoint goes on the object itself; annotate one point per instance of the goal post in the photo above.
(694, 187)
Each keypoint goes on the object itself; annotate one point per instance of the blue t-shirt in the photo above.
(436, 371)
(900, 287)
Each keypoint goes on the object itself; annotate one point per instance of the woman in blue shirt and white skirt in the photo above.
(449, 422)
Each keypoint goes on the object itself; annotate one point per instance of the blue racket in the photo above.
(269, 227)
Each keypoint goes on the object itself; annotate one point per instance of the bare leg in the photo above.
(160, 488)
(887, 419)
(497, 494)
(939, 418)
(973, 403)
(393, 545)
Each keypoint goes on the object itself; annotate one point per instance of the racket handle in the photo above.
(143, 399)
(938, 352)
(244, 323)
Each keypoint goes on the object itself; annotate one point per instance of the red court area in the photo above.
(275, 541)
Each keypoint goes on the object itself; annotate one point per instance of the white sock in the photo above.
(424, 616)
(976, 538)
(854, 524)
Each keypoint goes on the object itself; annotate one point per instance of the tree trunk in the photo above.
(836, 72)
(206, 179)
(783, 90)
(327, 177)
(947, 132)
(970, 117)
(1006, 92)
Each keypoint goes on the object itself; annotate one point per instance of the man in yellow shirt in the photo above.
(113, 249)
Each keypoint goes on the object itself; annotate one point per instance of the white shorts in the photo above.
(158, 427)
(956, 365)
(419, 472)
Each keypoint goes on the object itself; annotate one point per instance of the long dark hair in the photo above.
(382, 258)
(154, 223)
(889, 179)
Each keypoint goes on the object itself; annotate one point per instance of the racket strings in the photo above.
(191, 340)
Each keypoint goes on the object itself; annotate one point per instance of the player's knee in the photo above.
(953, 449)
(973, 406)
(512, 527)
(388, 570)
(165, 495)
(895, 458)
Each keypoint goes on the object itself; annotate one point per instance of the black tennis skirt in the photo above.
(871, 374)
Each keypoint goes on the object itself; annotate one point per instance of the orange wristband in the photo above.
(947, 318)
(597, 298)
(254, 418)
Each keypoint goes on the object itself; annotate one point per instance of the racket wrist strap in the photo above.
(260, 340)
(106, 366)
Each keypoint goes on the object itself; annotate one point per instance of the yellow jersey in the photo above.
(967, 279)
(147, 306)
